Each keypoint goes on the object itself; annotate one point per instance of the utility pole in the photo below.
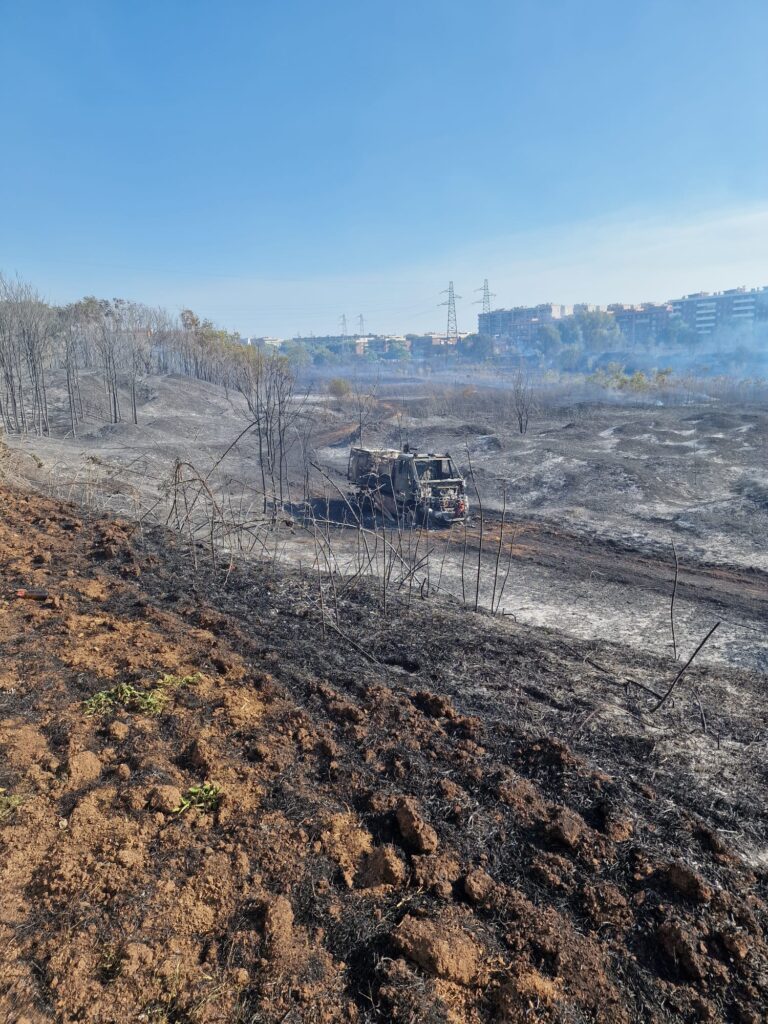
(361, 325)
(452, 332)
(343, 324)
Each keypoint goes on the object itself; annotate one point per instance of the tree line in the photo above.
(125, 342)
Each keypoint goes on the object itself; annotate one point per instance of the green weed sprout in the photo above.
(125, 695)
(205, 797)
(8, 804)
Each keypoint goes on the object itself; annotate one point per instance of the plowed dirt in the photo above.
(436, 817)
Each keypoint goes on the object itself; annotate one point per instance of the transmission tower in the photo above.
(487, 296)
(485, 301)
(343, 324)
(452, 331)
(361, 324)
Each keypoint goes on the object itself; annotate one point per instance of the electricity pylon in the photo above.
(452, 331)
(487, 296)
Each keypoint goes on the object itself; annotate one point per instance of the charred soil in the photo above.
(216, 806)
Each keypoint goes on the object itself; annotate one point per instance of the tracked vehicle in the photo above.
(408, 486)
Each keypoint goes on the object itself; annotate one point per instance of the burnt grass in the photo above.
(435, 815)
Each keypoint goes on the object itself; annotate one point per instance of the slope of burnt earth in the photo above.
(216, 807)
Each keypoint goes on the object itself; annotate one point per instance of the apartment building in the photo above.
(519, 324)
(705, 312)
(642, 324)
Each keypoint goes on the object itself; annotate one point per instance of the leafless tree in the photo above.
(136, 334)
(26, 331)
(68, 334)
(267, 381)
(365, 402)
(522, 399)
(10, 360)
(108, 336)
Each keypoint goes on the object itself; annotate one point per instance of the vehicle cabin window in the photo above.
(435, 469)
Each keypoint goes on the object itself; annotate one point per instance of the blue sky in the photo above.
(276, 163)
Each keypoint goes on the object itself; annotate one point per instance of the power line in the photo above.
(343, 324)
(361, 324)
(452, 331)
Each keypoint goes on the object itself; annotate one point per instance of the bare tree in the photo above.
(68, 335)
(267, 381)
(10, 364)
(522, 399)
(365, 401)
(137, 326)
(26, 331)
(108, 336)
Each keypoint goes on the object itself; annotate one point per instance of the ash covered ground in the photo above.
(597, 494)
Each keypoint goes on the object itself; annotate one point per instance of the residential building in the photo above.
(424, 346)
(262, 342)
(519, 324)
(643, 324)
(379, 345)
(361, 344)
(706, 312)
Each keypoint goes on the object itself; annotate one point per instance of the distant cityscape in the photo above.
(580, 334)
(703, 313)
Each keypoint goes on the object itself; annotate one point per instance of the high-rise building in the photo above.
(706, 312)
(641, 324)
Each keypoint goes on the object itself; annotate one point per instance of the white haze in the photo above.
(629, 258)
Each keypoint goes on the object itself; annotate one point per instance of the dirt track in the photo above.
(441, 818)
(736, 591)
(586, 584)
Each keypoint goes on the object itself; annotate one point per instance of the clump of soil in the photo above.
(302, 832)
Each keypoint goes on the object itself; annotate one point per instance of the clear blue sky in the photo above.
(274, 163)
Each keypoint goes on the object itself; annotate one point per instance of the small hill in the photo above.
(221, 803)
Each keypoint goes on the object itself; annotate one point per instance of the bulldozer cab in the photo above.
(411, 472)
(435, 468)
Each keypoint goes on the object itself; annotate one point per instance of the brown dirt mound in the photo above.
(211, 813)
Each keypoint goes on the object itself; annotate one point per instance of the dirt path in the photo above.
(585, 586)
(739, 593)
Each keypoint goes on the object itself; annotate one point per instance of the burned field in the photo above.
(219, 805)
(600, 495)
(602, 500)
